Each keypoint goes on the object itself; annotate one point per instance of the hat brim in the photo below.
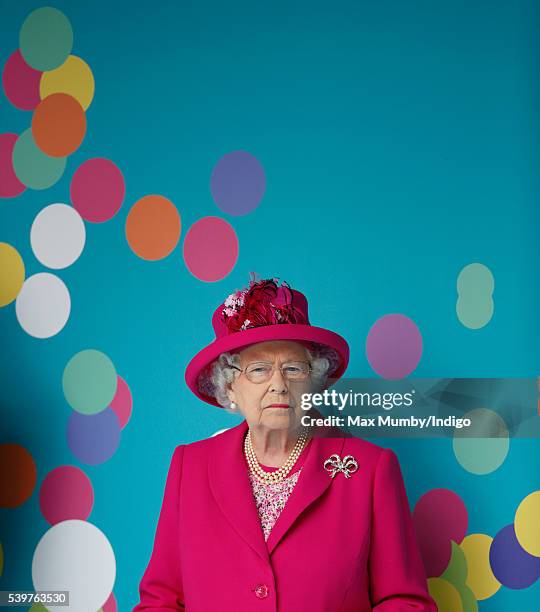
(265, 333)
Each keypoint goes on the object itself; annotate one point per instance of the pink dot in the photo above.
(210, 249)
(122, 402)
(66, 493)
(394, 346)
(21, 83)
(439, 517)
(110, 605)
(10, 186)
(97, 190)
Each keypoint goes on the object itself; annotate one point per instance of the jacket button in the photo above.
(261, 591)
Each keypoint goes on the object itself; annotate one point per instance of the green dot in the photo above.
(483, 454)
(456, 572)
(32, 167)
(476, 279)
(46, 38)
(468, 600)
(89, 381)
(473, 312)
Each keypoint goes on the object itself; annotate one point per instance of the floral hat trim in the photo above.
(261, 303)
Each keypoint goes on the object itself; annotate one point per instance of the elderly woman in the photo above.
(268, 515)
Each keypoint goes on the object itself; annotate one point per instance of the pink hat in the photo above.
(260, 313)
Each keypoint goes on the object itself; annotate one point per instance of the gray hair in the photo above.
(215, 378)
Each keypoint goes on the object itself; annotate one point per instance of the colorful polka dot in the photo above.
(97, 190)
(75, 556)
(46, 38)
(480, 578)
(456, 571)
(210, 249)
(445, 595)
(57, 236)
(219, 431)
(66, 493)
(122, 402)
(475, 305)
(11, 273)
(394, 346)
(153, 227)
(43, 305)
(89, 381)
(439, 517)
(512, 566)
(34, 168)
(110, 605)
(73, 77)
(456, 574)
(482, 447)
(18, 475)
(468, 600)
(93, 439)
(527, 524)
(238, 183)
(59, 125)
(21, 82)
(10, 185)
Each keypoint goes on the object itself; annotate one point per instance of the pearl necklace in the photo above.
(282, 472)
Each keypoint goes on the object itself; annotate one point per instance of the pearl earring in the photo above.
(233, 406)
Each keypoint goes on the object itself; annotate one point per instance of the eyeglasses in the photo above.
(262, 371)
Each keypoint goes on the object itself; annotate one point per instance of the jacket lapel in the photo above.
(312, 483)
(230, 485)
(229, 482)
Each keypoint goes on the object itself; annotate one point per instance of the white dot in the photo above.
(43, 305)
(219, 431)
(75, 556)
(57, 236)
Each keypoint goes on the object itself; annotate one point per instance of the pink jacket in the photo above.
(340, 544)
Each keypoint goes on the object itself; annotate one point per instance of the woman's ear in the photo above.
(230, 393)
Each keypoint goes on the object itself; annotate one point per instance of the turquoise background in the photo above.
(400, 142)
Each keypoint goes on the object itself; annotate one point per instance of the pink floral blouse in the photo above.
(270, 499)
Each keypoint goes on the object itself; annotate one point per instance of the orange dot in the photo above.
(59, 125)
(18, 475)
(153, 227)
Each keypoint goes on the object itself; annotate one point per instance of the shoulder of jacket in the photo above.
(364, 450)
(206, 444)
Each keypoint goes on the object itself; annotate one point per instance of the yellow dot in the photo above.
(527, 524)
(445, 594)
(11, 273)
(73, 77)
(480, 579)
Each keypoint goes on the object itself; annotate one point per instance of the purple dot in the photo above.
(394, 346)
(513, 566)
(93, 438)
(238, 183)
